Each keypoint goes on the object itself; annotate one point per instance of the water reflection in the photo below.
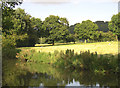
(36, 75)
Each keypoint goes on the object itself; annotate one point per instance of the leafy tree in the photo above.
(71, 38)
(56, 28)
(9, 43)
(37, 25)
(71, 28)
(7, 13)
(106, 36)
(19, 23)
(24, 24)
(114, 25)
(102, 26)
(72, 35)
(8, 37)
(86, 30)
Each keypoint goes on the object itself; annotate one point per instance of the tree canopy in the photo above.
(114, 24)
(55, 28)
(20, 29)
(86, 30)
(102, 26)
(25, 24)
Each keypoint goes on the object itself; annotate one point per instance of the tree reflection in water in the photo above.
(34, 75)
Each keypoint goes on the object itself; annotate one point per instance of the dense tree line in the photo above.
(102, 26)
(20, 29)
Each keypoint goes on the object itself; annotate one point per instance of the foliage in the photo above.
(27, 55)
(21, 29)
(69, 59)
(7, 13)
(102, 26)
(71, 38)
(8, 47)
(23, 23)
(37, 25)
(9, 37)
(9, 44)
(55, 28)
(106, 36)
(88, 61)
(114, 24)
(86, 30)
(42, 40)
(25, 74)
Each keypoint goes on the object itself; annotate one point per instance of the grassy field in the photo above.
(99, 47)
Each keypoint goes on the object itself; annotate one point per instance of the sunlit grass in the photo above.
(99, 47)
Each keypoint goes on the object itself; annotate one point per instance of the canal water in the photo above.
(35, 75)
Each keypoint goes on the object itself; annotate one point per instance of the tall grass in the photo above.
(69, 59)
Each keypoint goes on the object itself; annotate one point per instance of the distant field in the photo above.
(100, 47)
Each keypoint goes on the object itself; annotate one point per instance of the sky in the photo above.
(75, 11)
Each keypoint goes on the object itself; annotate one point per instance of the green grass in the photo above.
(99, 57)
(99, 47)
(83, 61)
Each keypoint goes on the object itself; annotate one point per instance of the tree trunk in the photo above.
(116, 37)
(53, 42)
(74, 42)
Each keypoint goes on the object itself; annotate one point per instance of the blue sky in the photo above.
(75, 11)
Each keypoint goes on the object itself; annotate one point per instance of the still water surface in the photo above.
(44, 75)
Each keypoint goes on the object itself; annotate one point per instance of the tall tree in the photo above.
(8, 35)
(56, 28)
(114, 25)
(71, 28)
(37, 25)
(7, 13)
(86, 30)
(24, 24)
(102, 26)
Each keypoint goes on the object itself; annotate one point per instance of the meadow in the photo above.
(99, 47)
(98, 57)
(46, 60)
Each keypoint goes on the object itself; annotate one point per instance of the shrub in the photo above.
(83, 61)
(8, 46)
(87, 61)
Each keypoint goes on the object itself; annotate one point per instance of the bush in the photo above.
(60, 41)
(107, 36)
(27, 55)
(8, 47)
(9, 44)
(83, 61)
(88, 61)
